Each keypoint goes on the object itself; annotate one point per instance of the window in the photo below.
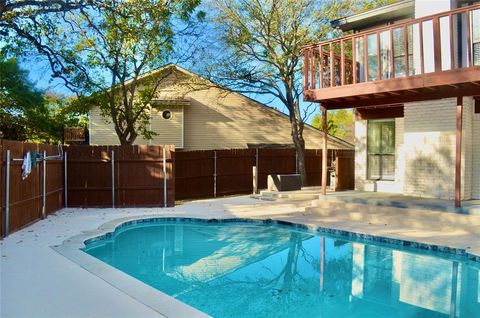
(166, 114)
(381, 149)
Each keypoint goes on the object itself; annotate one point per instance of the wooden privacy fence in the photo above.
(34, 197)
(81, 176)
(212, 173)
(126, 176)
(120, 176)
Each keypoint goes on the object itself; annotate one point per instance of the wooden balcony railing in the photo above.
(428, 46)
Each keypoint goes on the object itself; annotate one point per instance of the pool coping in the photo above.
(168, 306)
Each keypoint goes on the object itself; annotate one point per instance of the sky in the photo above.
(40, 74)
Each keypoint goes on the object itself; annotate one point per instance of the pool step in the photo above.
(302, 195)
(414, 218)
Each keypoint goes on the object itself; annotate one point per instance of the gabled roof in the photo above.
(262, 106)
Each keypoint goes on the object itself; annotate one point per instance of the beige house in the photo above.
(411, 71)
(194, 114)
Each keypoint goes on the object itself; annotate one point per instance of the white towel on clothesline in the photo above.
(26, 166)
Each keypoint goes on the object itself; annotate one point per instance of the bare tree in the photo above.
(258, 50)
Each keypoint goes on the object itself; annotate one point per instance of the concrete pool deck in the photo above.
(36, 281)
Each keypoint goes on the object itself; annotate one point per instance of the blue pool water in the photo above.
(267, 270)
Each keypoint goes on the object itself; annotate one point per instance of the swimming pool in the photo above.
(252, 269)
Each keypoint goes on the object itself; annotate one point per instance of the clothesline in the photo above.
(58, 157)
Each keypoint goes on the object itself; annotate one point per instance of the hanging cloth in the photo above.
(26, 166)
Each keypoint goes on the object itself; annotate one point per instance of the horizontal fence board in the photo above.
(195, 170)
(138, 176)
(26, 194)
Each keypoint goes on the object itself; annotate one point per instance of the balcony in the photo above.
(431, 57)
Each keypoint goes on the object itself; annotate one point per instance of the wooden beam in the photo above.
(392, 61)
(324, 150)
(321, 57)
(354, 61)
(305, 70)
(422, 59)
(342, 63)
(469, 41)
(457, 76)
(452, 43)
(405, 35)
(365, 56)
(313, 74)
(332, 66)
(458, 154)
(394, 111)
(437, 52)
(379, 69)
(444, 92)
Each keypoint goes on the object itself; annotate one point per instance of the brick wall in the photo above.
(425, 152)
(476, 156)
(430, 149)
(467, 148)
(361, 181)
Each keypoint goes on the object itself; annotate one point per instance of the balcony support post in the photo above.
(324, 150)
(458, 153)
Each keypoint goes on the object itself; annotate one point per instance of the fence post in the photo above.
(65, 179)
(113, 178)
(164, 177)
(7, 193)
(44, 185)
(214, 173)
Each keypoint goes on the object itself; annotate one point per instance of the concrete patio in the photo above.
(471, 207)
(36, 281)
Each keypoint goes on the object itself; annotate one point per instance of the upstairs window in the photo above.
(381, 149)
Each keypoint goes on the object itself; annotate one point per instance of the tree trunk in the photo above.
(300, 149)
(299, 144)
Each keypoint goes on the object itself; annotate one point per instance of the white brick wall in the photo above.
(467, 151)
(430, 149)
(360, 155)
(476, 156)
(361, 181)
(425, 152)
